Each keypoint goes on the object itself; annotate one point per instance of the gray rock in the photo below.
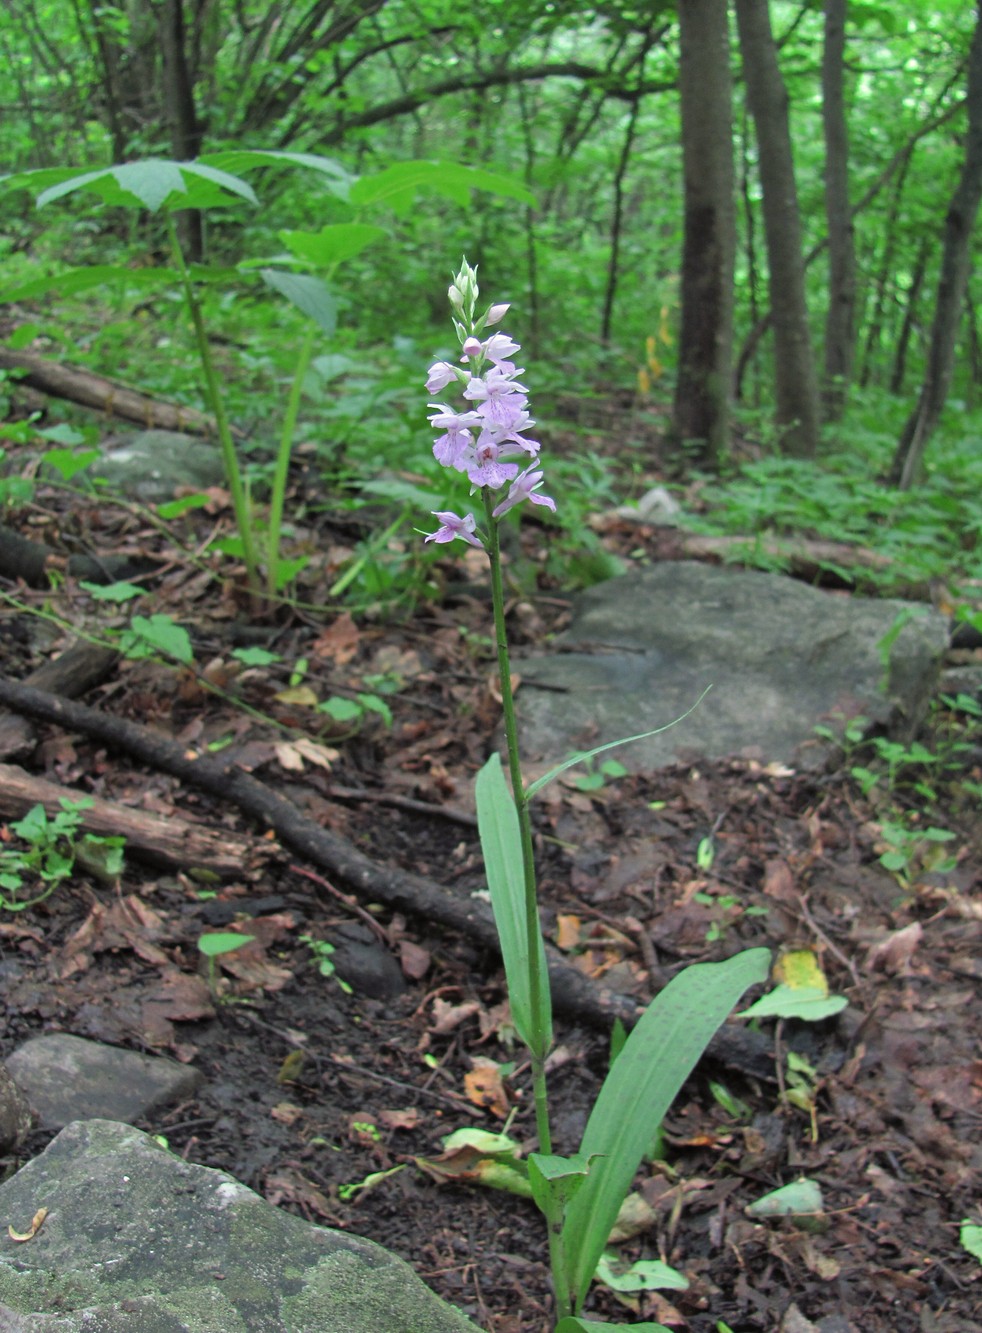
(15, 1114)
(137, 1239)
(781, 657)
(66, 1078)
(150, 465)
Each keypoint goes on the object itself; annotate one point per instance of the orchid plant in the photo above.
(485, 437)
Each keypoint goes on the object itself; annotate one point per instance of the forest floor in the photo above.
(310, 1090)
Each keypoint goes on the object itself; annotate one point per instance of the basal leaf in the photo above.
(657, 1058)
(502, 847)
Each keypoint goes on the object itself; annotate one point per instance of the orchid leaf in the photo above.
(501, 844)
(582, 756)
(658, 1056)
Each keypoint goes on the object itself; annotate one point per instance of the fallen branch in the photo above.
(33, 562)
(172, 841)
(71, 674)
(88, 389)
(574, 995)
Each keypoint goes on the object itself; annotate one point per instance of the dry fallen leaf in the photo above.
(407, 1119)
(36, 1223)
(484, 1087)
(567, 931)
(446, 1016)
(415, 960)
(895, 952)
(293, 754)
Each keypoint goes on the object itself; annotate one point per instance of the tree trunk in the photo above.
(910, 317)
(702, 394)
(185, 130)
(952, 284)
(795, 379)
(840, 335)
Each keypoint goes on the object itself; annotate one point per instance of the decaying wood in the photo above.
(88, 389)
(32, 562)
(574, 995)
(171, 841)
(71, 674)
(821, 562)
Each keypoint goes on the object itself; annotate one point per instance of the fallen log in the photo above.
(33, 562)
(71, 674)
(172, 841)
(574, 995)
(115, 400)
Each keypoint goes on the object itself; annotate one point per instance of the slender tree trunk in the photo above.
(616, 226)
(702, 393)
(910, 317)
(840, 334)
(952, 283)
(185, 130)
(795, 378)
(874, 327)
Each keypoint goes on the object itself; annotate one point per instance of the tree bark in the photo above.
(952, 284)
(795, 378)
(701, 414)
(840, 333)
(910, 317)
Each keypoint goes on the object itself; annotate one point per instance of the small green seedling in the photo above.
(48, 852)
(596, 778)
(322, 951)
(213, 945)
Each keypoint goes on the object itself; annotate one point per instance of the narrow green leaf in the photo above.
(501, 844)
(657, 1058)
(307, 293)
(582, 756)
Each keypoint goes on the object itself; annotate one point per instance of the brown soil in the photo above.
(880, 1106)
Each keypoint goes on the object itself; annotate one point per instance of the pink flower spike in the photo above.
(499, 347)
(441, 373)
(451, 526)
(524, 487)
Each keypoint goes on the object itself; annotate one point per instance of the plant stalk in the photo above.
(233, 474)
(280, 474)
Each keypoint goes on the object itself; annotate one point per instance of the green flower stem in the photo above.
(538, 1053)
(233, 474)
(283, 458)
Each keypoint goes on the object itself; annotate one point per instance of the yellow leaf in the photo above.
(567, 931)
(298, 694)
(799, 969)
(32, 1231)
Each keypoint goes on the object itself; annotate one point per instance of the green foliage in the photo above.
(322, 951)
(47, 851)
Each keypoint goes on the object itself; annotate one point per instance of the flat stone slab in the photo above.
(149, 465)
(780, 657)
(137, 1239)
(67, 1078)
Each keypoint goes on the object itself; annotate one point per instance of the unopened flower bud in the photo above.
(496, 313)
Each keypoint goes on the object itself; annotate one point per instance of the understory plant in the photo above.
(303, 272)
(485, 437)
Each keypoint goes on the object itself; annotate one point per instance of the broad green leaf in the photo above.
(245, 159)
(154, 183)
(255, 657)
(582, 756)
(398, 185)
(644, 1275)
(501, 844)
(332, 244)
(112, 592)
(175, 508)
(222, 941)
(307, 293)
(970, 1236)
(658, 1056)
(157, 633)
(801, 1196)
(67, 462)
(805, 1002)
(73, 280)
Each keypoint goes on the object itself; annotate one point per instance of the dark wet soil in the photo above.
(314, 1095)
